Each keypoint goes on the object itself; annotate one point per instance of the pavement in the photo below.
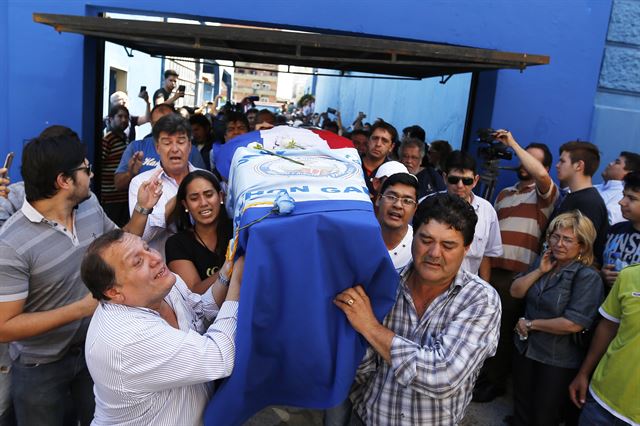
(486, 414)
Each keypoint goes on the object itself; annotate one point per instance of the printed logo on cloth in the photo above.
(314, 166)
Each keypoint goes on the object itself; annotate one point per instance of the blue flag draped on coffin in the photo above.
(293, 345)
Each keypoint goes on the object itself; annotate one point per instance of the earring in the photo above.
(221, 202)
(186, 210)
(579, 256)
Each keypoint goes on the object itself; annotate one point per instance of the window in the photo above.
(266, 86)
(255, 85)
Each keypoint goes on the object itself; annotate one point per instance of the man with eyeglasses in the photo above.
(461, 178)
(172, 137)
(44, 306)
(396, 205)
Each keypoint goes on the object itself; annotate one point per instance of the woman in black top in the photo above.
(197, 252)
(562, 294)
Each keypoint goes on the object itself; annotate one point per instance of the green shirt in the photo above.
(616, 381)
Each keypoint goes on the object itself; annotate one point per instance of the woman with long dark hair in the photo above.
(197, 252)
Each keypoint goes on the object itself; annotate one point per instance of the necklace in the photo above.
(201, 240)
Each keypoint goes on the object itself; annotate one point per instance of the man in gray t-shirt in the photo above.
(44, 307)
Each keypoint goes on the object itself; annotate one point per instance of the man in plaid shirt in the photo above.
(424, 359)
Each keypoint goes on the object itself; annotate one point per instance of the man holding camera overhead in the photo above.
(523, 212)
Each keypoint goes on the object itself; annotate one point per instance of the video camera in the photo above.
(489, 148)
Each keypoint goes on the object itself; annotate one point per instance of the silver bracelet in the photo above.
(223, 280)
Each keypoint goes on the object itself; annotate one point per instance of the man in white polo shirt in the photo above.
(172, 138)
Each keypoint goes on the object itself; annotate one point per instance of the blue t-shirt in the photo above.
(624, 240)
(150, 157)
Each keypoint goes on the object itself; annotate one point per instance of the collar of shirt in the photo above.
(613, 185)
(35, 216)
(164, 176)
(474, 202)
(461, 279)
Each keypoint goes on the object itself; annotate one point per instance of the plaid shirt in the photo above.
(434, 359)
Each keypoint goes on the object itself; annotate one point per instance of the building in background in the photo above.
(255, 80)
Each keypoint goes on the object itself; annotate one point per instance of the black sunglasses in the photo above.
(86, 168)
(453, 180)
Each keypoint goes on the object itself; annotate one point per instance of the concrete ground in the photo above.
(487, 414)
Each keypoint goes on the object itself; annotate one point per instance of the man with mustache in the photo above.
(425, 357)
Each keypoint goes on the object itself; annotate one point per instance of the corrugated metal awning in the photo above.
(363, 53)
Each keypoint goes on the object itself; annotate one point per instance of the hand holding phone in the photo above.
(7, 164)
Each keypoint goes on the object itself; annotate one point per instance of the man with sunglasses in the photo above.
(461, 178)
(44, 306)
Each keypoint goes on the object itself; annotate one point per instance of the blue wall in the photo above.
(616, 121)
(551, 103)
(440, 109)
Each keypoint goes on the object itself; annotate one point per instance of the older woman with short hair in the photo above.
(562, 294)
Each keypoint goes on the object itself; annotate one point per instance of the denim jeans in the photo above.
(594, 414)
(339, 415)
(54, 394)
(6, 409)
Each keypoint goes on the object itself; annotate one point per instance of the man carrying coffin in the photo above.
(425, 356)
(148, 348)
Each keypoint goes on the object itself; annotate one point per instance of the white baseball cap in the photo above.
(390, 168)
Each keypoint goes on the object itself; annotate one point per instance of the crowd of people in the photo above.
(122, 310)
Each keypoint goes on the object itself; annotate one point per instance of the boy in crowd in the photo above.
(623, 239)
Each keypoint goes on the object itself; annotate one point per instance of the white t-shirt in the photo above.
(401, 254)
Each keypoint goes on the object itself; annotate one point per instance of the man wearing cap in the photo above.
(383, 172)
(396, 204)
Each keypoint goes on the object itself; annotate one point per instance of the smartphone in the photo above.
(143, 89)
(254, 98)
(331, 110)
(7, 162)
(181, 88)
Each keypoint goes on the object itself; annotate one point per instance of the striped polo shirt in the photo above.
(113, 146)
(40, 264)
(522, 214)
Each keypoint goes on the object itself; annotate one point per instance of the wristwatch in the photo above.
(138, 208)
(528, 324)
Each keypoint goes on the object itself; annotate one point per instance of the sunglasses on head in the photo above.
(453, 180)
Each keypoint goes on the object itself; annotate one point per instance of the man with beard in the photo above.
(523, 211)
(44, 306)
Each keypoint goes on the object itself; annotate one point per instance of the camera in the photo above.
(489, 148)
(331, 110)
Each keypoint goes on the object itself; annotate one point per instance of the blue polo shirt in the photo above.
(150, 156)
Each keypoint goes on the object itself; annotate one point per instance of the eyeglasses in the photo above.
(86, 167)
(453, 180)
(392, 199)
(555, 239)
